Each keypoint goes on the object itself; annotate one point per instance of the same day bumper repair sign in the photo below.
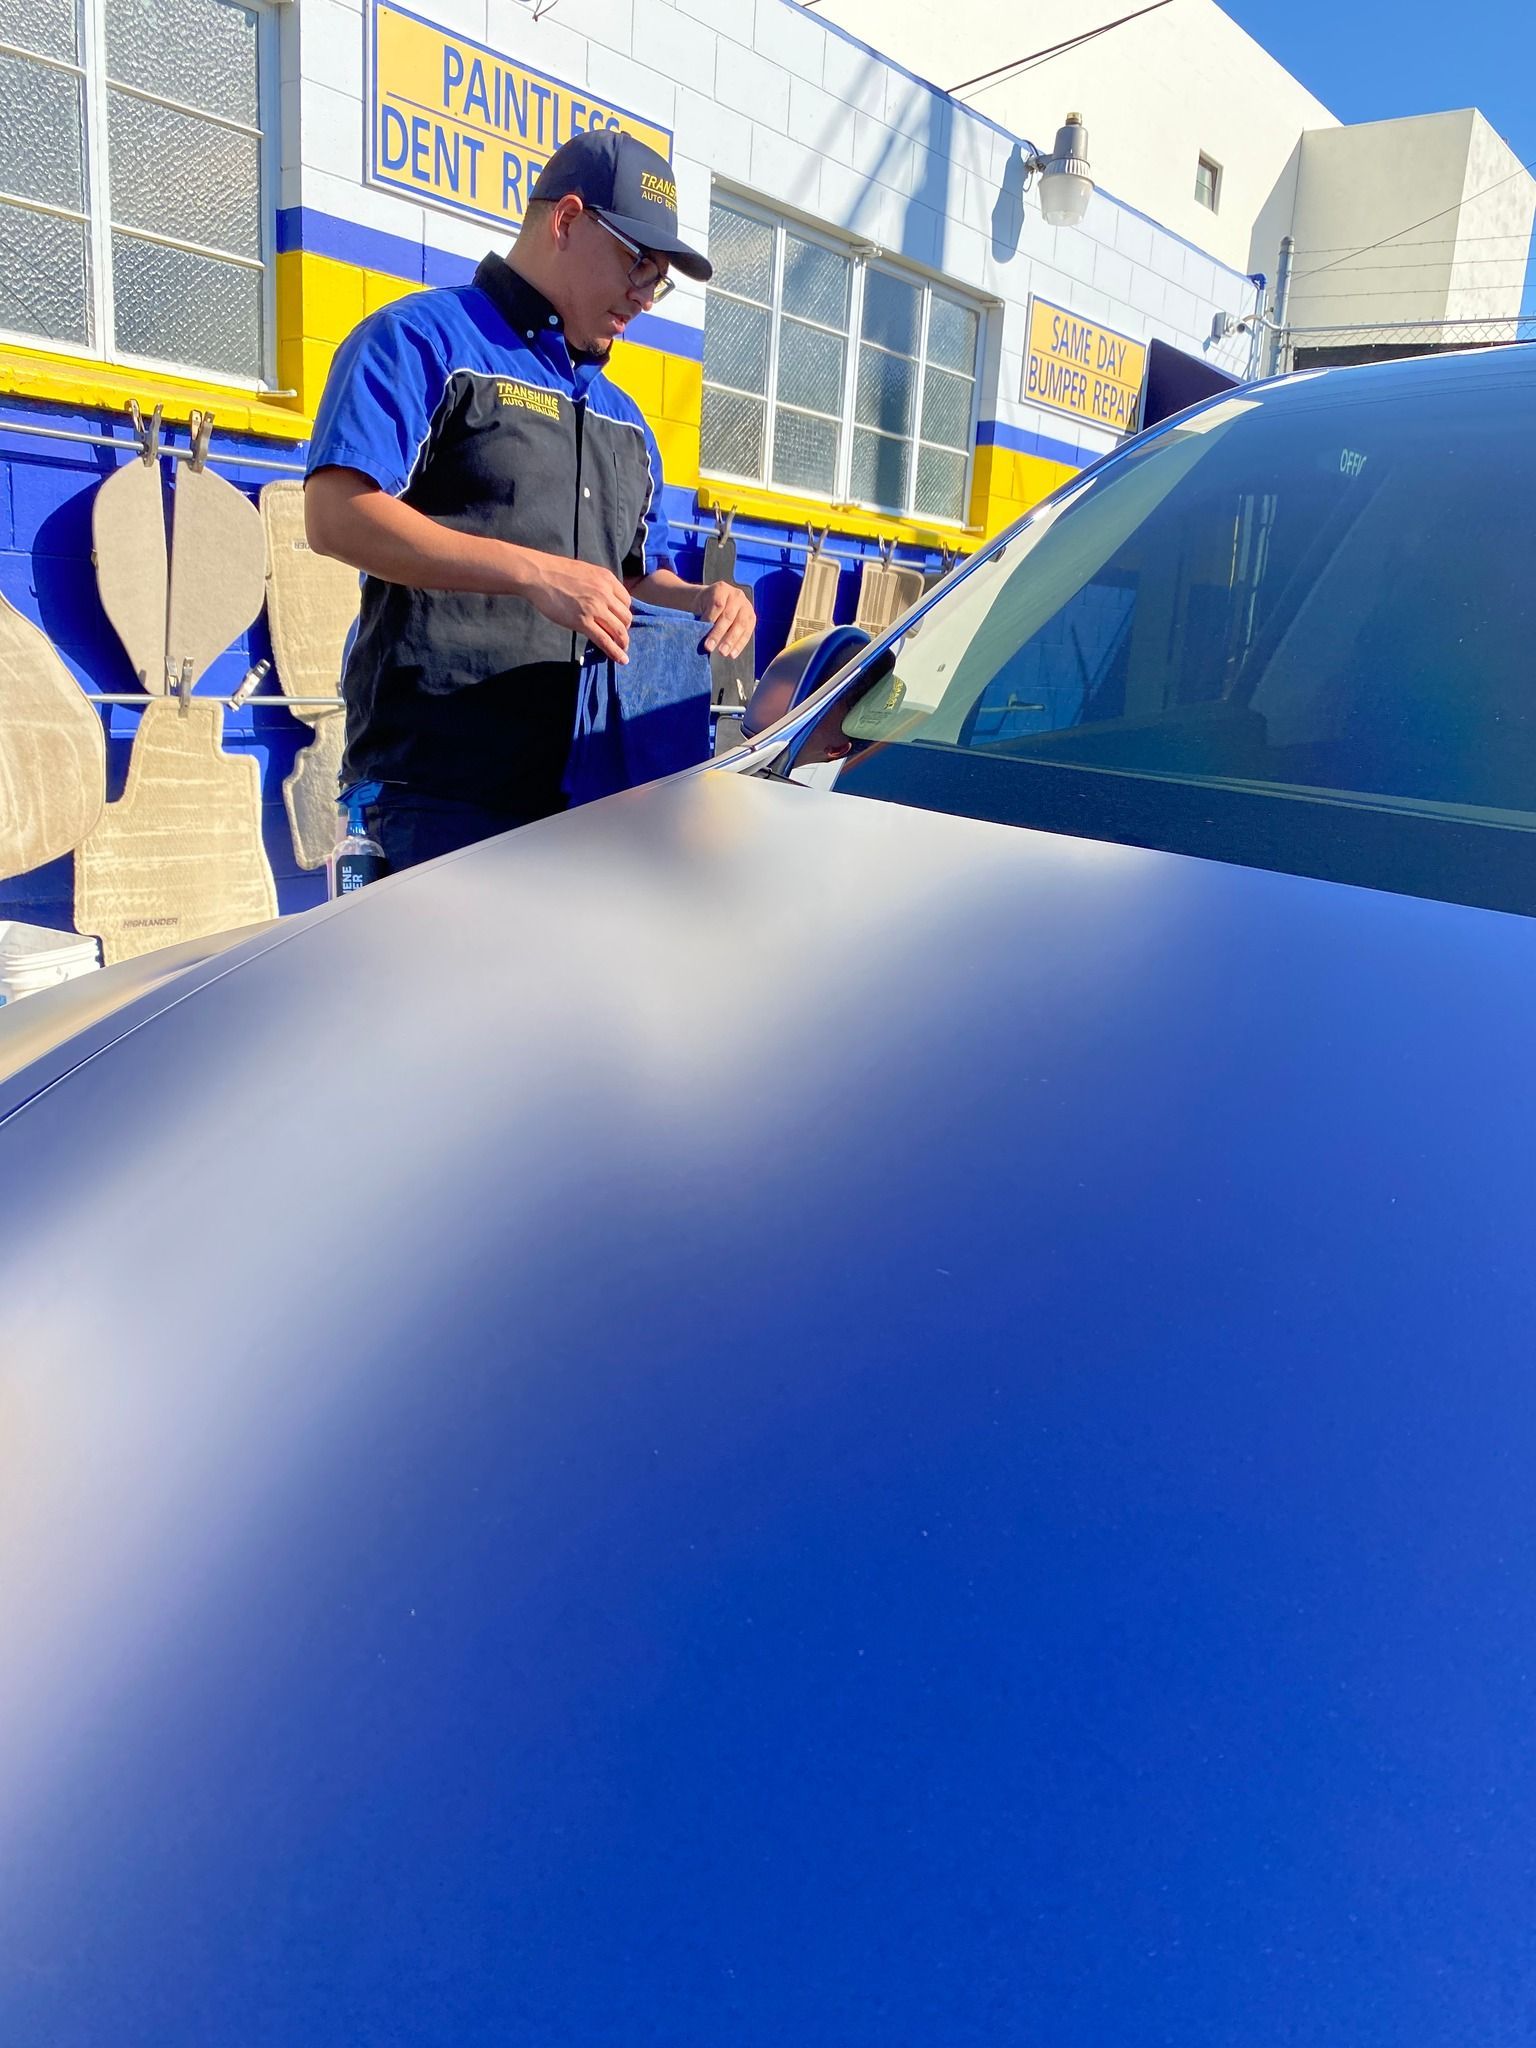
(1075, 366)
(453, 123)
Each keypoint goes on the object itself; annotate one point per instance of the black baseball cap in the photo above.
(626, 184)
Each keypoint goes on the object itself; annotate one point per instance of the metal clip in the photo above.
(184, 688)
(887, 550)
(148, 437)
(725, 519)
(201, 426)
(817, 536)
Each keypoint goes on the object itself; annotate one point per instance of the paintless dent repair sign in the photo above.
(453, 123)
(1075, 366)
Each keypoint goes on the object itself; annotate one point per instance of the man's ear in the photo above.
(561, 215)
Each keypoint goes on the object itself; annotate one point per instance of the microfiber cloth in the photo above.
(642, 718)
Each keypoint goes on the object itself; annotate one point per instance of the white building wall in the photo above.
(1156, 95)
(1493, 230)
(1451, 182)
(775, 103)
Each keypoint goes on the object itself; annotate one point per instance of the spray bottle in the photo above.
(357, 857)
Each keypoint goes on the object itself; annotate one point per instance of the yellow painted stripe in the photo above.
(106, 387)
(782, 508)
(320, 301)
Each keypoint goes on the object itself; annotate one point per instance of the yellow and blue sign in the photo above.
(1073, 365)
(462, 127)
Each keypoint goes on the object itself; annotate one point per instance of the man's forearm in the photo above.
(366, 527)
(666, 588)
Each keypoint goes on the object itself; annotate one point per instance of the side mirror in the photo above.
(797, 672)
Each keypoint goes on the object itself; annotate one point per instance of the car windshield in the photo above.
(1295, 630)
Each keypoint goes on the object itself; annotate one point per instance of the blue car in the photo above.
(884, 1394)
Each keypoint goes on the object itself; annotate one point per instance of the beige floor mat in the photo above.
(218, 569)
(181, 855)
(311, 790)
(132, 566)
(886, 590)
(312, 602)
(53, 753)
(818, 597)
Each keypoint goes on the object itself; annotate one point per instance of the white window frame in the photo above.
(840, 498)
(90, 24)
(1208, 163)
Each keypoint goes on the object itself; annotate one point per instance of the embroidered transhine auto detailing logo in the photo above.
(662, 190)
(529, 396)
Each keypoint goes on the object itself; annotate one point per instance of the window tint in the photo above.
(1314, 604)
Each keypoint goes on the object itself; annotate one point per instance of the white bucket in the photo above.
(32, 957)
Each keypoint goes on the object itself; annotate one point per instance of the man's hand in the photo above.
(348, 516)
(728, 609)
(586, 598)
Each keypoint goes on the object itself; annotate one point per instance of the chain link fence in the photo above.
(1319, 348)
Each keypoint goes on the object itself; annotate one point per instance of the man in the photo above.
(503, 500)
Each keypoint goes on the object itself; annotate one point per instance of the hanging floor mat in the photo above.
(817, 602)
(181, 855)
(53, 754)
(312, 789)
(731, 676)
(885, 591)
(132, 566)
(312, 602)
(218, 564)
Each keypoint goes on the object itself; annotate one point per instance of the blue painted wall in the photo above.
(46, 572)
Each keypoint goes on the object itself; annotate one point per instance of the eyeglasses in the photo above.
(646, 275)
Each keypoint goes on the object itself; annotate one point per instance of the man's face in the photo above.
(604, 284)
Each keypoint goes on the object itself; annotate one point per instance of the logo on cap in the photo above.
(660, 190)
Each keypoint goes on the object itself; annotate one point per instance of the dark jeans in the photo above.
(412, 826)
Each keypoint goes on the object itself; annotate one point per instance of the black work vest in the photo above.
(464, 694)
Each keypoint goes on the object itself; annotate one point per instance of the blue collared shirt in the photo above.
(468, 405)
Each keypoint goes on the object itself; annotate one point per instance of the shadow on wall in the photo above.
(67, 605)
(909, 213)
(1276, 218)
(1008, 208)
(52, 537)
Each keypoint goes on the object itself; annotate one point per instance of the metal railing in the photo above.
(132, 446)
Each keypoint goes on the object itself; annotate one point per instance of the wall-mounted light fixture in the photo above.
(1066, 181)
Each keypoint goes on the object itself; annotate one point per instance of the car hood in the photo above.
(752, 1417)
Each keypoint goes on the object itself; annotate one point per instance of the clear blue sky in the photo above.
(1371, 59)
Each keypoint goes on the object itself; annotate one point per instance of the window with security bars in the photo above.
(132, 204)
(834, 375)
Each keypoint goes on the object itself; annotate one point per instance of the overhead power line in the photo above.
(1021, 64)
(1440, 265)
(1434, 242)
(1398, 233)
(1406, 292)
